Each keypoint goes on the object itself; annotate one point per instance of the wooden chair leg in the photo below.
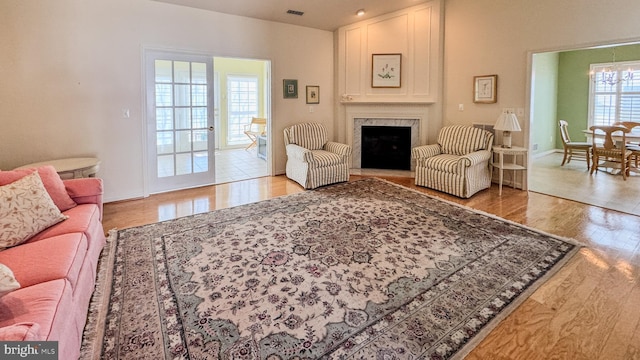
(564, 158)
(594, 167)
(253, 142)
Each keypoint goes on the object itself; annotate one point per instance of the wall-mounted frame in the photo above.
(485, 89)
(386, 70)
(313, 94)
(290, 89)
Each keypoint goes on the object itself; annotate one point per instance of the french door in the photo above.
(180, 131)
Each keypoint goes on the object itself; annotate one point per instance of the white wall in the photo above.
(416, 33)
(69, 67)
(498, 37)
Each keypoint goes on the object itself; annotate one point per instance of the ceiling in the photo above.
(319, 14)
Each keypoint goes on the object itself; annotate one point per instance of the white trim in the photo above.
(153, 184)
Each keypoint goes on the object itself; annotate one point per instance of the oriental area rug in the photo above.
(358, 270)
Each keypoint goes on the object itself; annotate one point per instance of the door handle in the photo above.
(210, 128)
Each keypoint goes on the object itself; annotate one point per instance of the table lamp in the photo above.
(507, 122)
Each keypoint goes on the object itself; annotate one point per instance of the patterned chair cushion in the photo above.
(445, 162)
(462, 140)
(323, 158)
(309, 135)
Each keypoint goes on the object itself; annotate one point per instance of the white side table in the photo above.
(70, 168)
(514, 151)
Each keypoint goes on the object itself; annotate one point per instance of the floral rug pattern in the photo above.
(361, 270)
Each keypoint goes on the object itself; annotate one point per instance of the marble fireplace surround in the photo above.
(357, 134)
(403, 117)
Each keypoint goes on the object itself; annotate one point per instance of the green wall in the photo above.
(573, 85)
(544, 100)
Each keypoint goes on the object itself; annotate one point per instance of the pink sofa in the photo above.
(56, 270)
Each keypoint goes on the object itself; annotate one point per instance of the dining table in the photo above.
(633, 136)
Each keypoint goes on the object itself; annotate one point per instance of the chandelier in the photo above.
(609, 75)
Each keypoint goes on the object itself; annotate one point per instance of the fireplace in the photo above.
(386, 147)
(392, 138)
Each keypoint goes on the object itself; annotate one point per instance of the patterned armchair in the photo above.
(313, 160)
(458, 164)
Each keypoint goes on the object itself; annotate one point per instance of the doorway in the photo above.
(179, 120)
(197, 110)
(243, 94)
(561, 87)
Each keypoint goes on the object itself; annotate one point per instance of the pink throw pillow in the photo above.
(51, 180)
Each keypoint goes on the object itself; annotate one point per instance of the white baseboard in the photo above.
(545, 153)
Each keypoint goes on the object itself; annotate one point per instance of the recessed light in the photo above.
(360, 12)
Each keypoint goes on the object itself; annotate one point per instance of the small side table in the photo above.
(71, 168)
(514, 151)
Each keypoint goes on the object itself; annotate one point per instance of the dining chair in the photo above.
(611, 155)
(256, 128)
(569, 146)
(634, 147)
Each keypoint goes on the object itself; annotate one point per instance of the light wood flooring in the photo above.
(573, 181)
(590, 309)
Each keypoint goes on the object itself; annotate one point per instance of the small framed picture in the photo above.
(313, 94)
(290, 89)
(386, 70)
(485, 89)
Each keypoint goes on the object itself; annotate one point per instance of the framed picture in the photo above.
(290, 89)
(313, 94)
(386, 70)
(485, 89)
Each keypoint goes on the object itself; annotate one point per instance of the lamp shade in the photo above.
(507, 122)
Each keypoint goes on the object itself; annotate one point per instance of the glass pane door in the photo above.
(179, 121)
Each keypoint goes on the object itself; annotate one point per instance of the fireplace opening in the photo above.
(386, 147)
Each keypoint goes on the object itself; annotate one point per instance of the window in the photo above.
(614, 101)
(242, 94)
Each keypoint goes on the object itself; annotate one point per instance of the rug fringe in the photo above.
(94, 329)
(510, 309)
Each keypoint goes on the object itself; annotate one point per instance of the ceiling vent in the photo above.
(295, 12)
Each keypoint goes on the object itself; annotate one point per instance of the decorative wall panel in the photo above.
(353, 60)
(415, 33)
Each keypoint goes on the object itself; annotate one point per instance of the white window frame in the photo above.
(615, 93)
(252, 108)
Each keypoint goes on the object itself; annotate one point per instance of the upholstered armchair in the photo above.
(313, 160)
(458, 164)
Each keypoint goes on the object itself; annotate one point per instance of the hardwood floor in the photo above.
(590, 309)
